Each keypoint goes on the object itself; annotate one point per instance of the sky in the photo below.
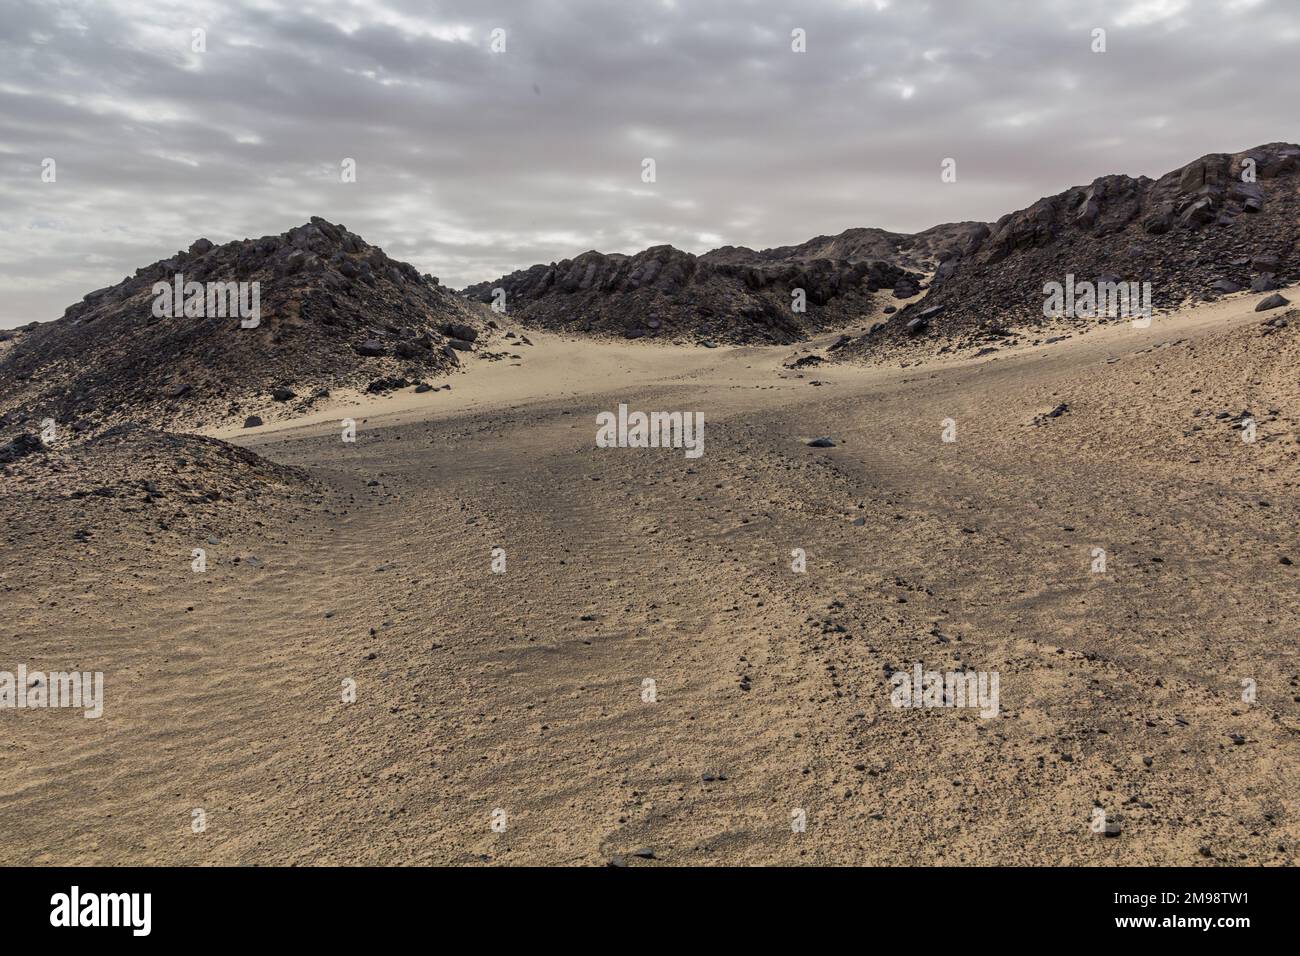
(489, 136)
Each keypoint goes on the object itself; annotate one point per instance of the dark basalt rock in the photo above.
(20, 447)
(1194, 234)
(729, 295)
(334, 311)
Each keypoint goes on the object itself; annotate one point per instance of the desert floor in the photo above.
(518, 697)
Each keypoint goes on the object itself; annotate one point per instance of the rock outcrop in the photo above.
(1223, 223)
(731, 296)
(333, 310)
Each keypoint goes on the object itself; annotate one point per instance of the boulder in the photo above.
(458, 330)
(387, 384)
(20, 447)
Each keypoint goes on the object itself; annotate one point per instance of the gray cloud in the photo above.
(473, 163)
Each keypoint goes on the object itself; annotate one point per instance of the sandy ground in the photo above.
(518, 699)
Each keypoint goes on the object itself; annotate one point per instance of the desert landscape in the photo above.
(852, 434)
(365, 588)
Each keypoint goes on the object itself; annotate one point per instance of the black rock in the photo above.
(805, 360)
(370, 347)
(458, 330)
(386, 384)
(283, 394)
(822, 442)
(252, 421)
(1273, 301)
(22, 446)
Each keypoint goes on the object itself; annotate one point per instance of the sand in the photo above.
(503, 718)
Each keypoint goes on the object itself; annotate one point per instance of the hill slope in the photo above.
(334, 311)
(732, 295)
(1198, 232)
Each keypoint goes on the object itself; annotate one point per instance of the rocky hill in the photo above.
(332, 310)
(921, 251)
(1223, 223)
(731, 295)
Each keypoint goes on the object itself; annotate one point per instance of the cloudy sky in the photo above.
(472, 162)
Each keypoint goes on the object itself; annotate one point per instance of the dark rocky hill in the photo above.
(732, 295)
(334, 311)
(1199, 232)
